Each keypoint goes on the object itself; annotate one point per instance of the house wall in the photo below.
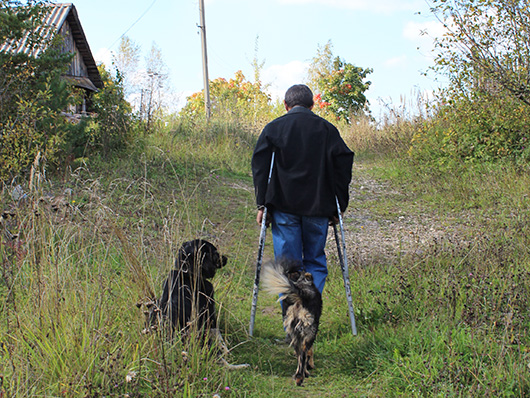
(77, 67)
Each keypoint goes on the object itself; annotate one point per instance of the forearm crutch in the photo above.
(261, 248)
(344, 266)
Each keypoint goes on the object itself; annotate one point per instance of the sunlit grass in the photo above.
(447, 320)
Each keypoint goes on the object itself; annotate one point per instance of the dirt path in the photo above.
(383, 223)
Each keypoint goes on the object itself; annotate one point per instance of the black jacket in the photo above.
(312, 165)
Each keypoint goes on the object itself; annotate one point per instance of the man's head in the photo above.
(299, 95)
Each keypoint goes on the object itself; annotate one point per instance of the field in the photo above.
(439, 267)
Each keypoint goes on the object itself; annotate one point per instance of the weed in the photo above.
(439, 276)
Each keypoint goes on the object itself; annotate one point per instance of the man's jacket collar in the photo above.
(298, 109)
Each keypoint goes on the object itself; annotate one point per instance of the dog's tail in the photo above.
(275, 281)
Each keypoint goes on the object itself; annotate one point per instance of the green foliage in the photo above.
(112, 129)
(32, 93)
(485, 45)
(482, 115)
(339, 86)
(485, 128)
(17, 20)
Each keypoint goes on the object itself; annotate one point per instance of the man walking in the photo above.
(312, 166)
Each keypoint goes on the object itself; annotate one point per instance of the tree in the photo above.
(32, 93)
(231, 98)
(145, 85)
(154, 87)
(482, 115)
(112, 128)
(321, 65)
(127, 61)
(486, 45)
(339, 86)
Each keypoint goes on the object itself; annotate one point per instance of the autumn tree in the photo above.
(339, 86)
(233, 98)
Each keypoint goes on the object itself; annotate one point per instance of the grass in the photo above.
(442, 317)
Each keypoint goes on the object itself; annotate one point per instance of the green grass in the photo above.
(447, 319)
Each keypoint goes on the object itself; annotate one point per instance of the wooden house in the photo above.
(62, 19)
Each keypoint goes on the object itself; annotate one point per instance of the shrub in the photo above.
(32, 93)
(234, 98)
(112, 129)
(484, 128)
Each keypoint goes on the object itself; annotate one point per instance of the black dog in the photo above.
(188, 297)
(302, 307)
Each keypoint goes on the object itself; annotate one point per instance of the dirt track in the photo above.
(383, 223)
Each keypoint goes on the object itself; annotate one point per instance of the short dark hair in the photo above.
(299, 94)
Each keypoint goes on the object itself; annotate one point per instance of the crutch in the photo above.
(344, 266)
(261, 248)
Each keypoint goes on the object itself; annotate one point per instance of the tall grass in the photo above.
(75, 265)
(444, 315)
(390, 134)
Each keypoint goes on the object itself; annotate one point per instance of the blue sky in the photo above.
(380, 34)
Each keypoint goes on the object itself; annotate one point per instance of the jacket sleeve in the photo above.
(261, 160)
(342, 166)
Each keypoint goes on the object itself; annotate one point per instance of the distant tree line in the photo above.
(481, 115)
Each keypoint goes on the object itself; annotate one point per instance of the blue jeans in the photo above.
(303, 239)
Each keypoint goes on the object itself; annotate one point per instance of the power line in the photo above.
(134, 23)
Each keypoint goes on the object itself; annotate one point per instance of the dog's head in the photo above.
(199, 258)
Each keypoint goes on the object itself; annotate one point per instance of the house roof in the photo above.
(52, 24)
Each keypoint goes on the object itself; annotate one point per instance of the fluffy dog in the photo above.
(302, 307)
(187, 299)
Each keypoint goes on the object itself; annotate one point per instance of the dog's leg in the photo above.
(310, 359)
(217, 338)
(300, 371)
(228, 365)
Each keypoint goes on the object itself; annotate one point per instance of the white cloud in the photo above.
(396, 62)
(281, 77)
(368, 5)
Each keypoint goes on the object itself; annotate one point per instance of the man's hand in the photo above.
(334, 220)
(259, 217)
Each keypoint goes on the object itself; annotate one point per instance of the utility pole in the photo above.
(207, 104)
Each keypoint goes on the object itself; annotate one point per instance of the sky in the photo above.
(384, 35)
